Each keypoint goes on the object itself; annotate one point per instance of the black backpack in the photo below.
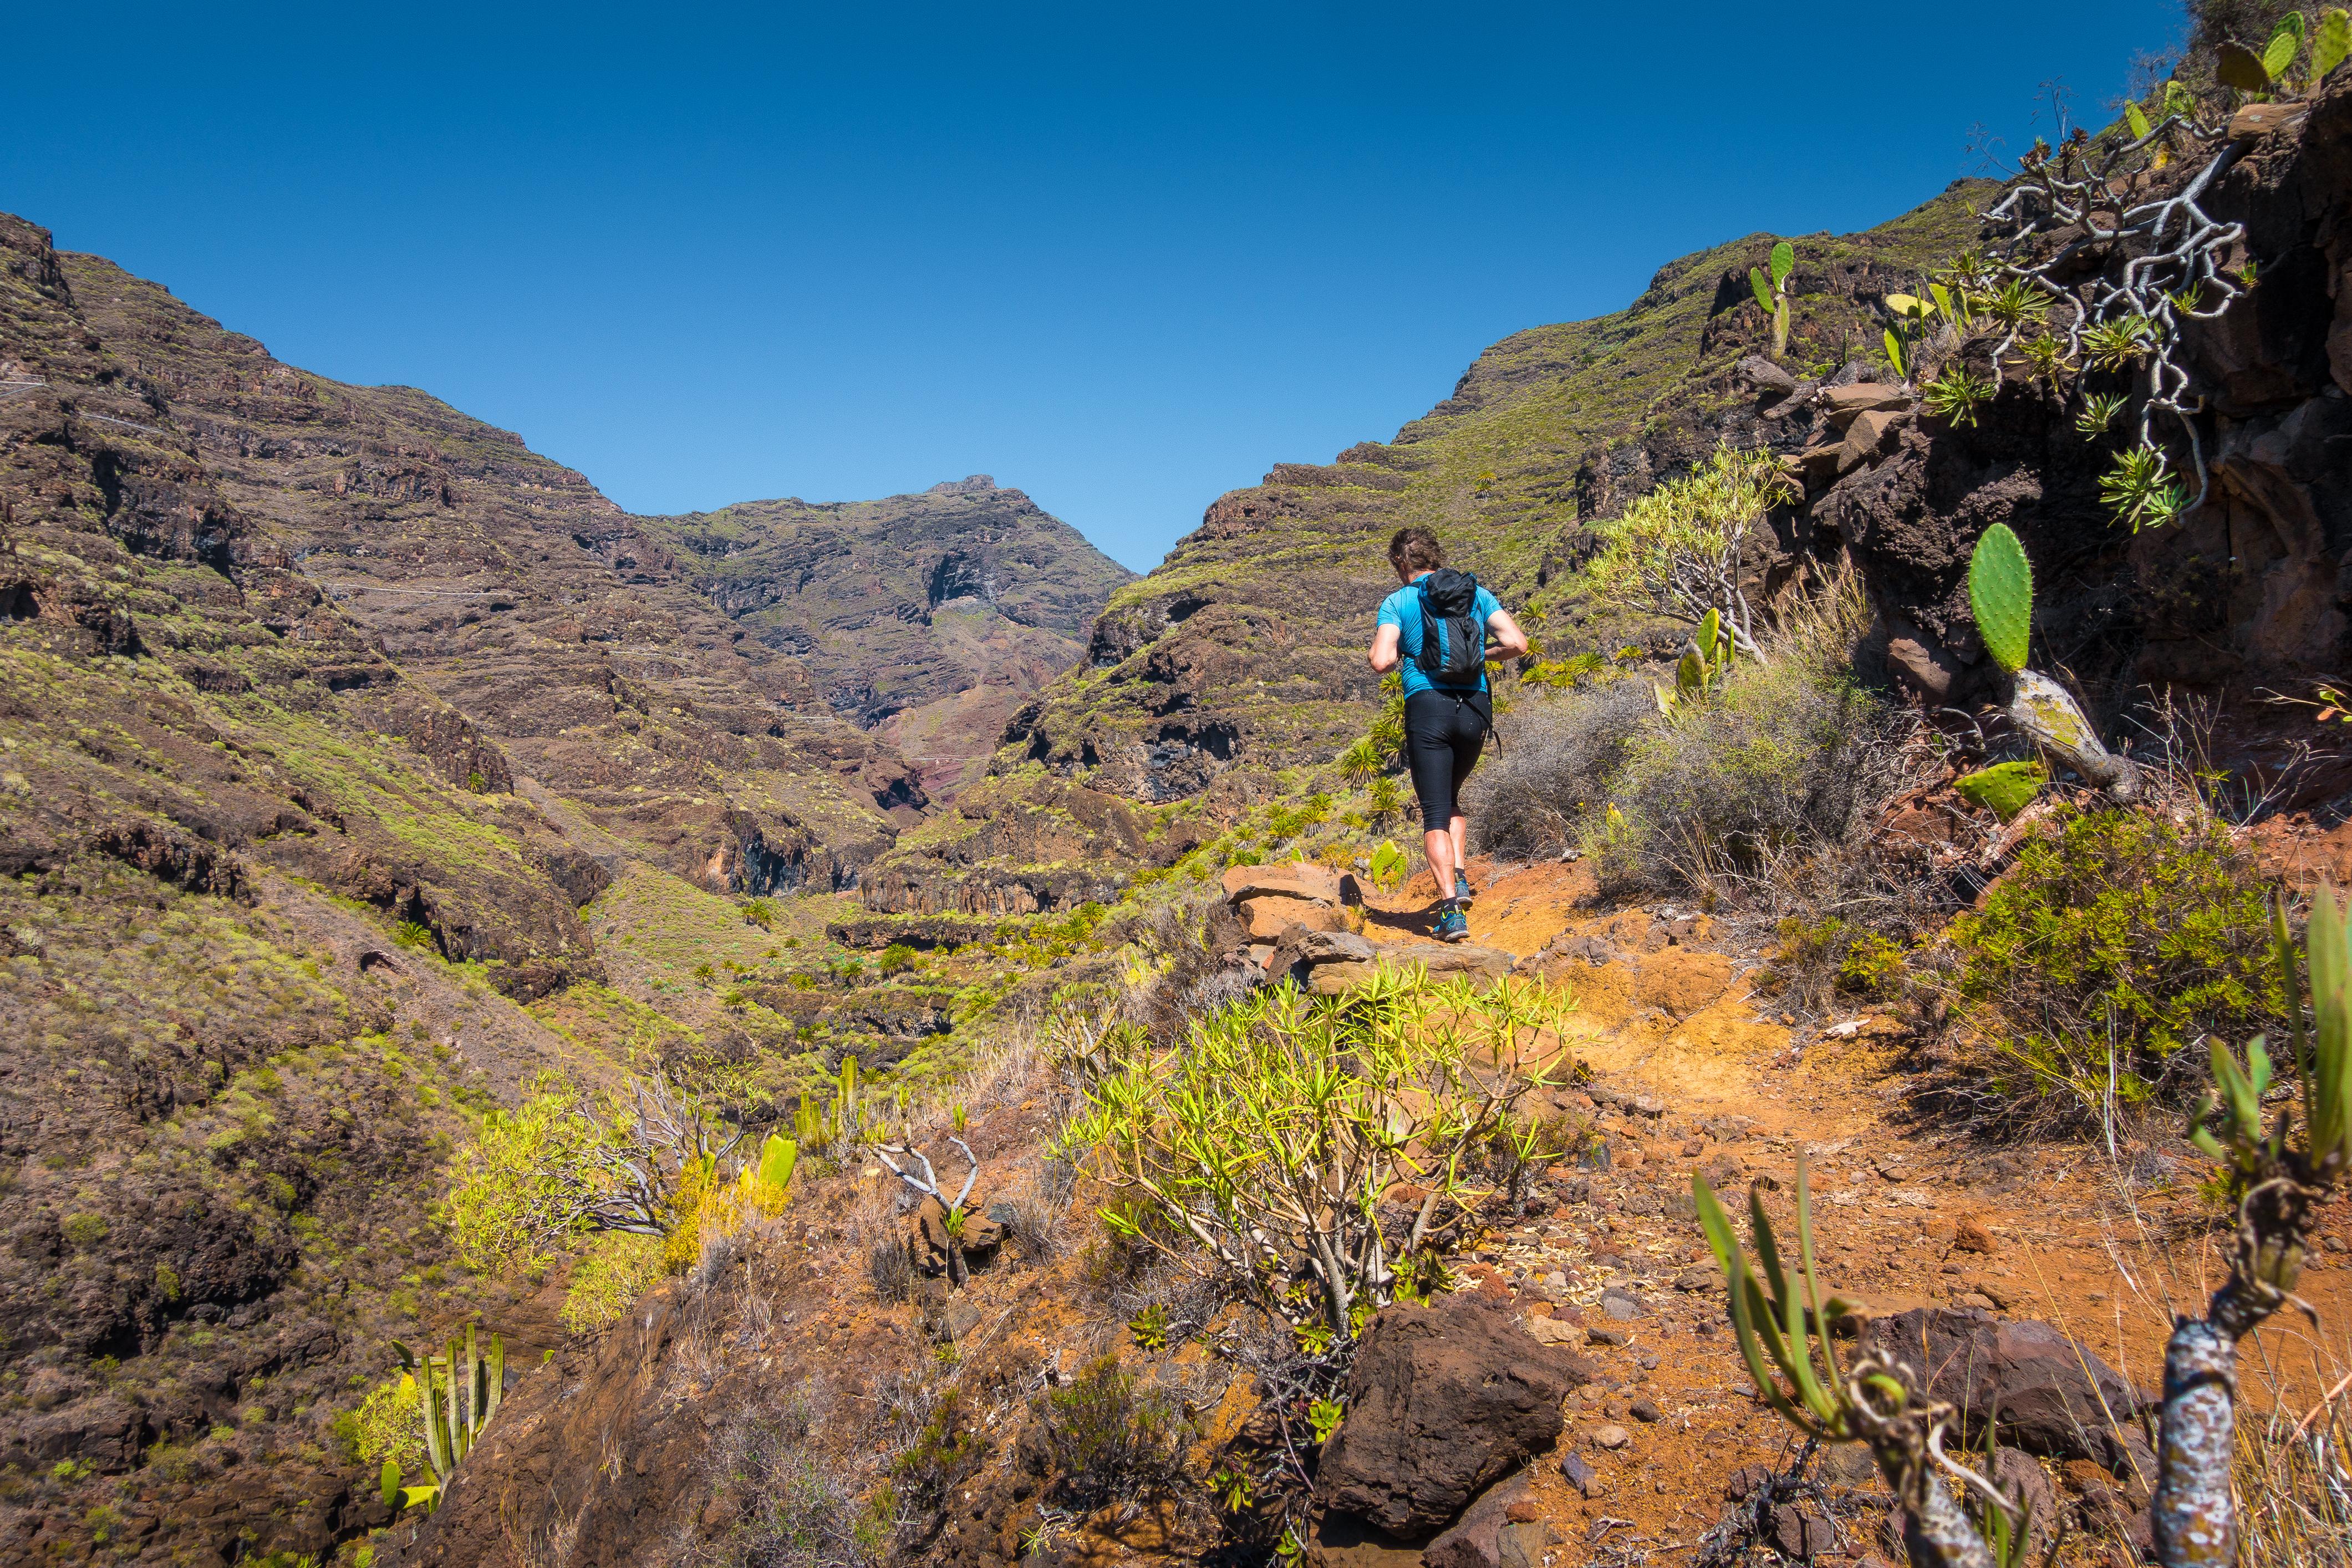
(1453, 650)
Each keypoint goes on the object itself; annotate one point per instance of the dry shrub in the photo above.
(1793, 759)
(1113, 1438)
(890, 1265)
(1187, 949)
(792, 1506)
(1558, 752)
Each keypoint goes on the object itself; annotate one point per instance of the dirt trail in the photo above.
(1909, 1214)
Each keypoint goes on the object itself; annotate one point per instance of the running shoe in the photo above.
(1462, 894)
(1453, 926)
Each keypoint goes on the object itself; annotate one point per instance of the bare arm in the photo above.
(1505, 640)
(1382, 655)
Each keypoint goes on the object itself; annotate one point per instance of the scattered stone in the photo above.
(1798, 1533)
(1524, 1545)
(2054, 1396)
(1744, 1481)
(1847, 1463)
(1476, 1539)
(2262, 119)
(1645, 1410)
(1697, 1280)
(1972, 1236)
(1611, 1437)
(1765, 376)
(1553, 1332)
(1850, 401)
(1622, 1304)
(1870, 435)
(1441, 1401)
(1599, 1336)
(1579, 1475)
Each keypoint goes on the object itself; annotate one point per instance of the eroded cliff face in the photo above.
(930, 618)
(2247, 593)
(226, 1091)
(565, 630)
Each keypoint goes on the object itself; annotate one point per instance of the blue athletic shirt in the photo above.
(1401, 610)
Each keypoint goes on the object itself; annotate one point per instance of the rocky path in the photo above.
(1694, 1072)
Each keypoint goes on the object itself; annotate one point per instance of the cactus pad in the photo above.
(2005, 788)
(2001, 592)
(1784, 261)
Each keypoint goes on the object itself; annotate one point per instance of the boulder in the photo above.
(1476, 1539)
(1268, 915)
(1289, 879)
(1442, 1401)
(1871, 434)
(1845, 403)
(1332, 963)
(2054, 1396)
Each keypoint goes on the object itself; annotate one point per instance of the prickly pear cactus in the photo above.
(2001, 592)
(2005, 788)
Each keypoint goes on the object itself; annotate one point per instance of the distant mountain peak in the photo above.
(973, 485)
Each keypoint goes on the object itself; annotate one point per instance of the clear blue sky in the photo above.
(1123, 259)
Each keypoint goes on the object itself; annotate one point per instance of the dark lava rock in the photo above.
(1443, 1400)
(2054, 1396)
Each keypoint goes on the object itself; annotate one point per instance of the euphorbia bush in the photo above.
(1262, 1142)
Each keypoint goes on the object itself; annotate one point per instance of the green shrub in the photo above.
(411, 933)
(518, 1167)
(388, 1425)
(1111, 1438)
(898, 958)
(85, 1230)
(618, 1267)
(2110, 949)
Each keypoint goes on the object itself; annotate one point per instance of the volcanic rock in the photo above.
(1441, 1401)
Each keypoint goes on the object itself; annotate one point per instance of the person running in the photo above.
(1442, 626)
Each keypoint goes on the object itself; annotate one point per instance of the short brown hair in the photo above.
(1415, 550)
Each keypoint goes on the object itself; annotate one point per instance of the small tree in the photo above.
(564, 1163)
(1262, 1144)
(1682, 551)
